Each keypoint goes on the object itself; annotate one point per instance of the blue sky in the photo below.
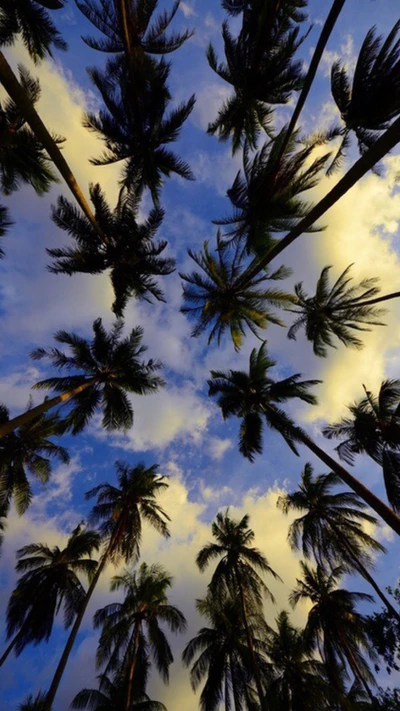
(180, 428)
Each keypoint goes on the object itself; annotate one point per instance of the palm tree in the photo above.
(49, 583)
(337, 311)
(120, 510)
(27, 450)
(223, 659)
(334, 625)
(216, 300)
(298, 680)
(374, 429)
(23, 158)
(131, 629)
(110, 696)
(238, 571)
(372, 102)
(103, 371)
(33, 703)
(255, 396)
(5, 223)
(331, 527)
(260, 66)
(129, 252)
(29, 20)
(266, 197)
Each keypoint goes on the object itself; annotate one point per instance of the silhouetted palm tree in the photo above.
(110, 696)
(372, 101)
(30, 20)
(131, 628)
(103, 371)
(129, 252)
(5, 223)
(48, 584)
(374, 429)
(332, 527)
(337, 310)
(27, 450)
(255, 396)
(119, 511)
(33, 703)
(217, 302)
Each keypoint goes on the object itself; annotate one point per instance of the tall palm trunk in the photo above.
(369, 302)
(51, 694)
(386, 513)
(353, 664)
(250, 644)
(44, 407)
(18, 95)
(326, 31)
(10, 647)
(364, 572)
(132, 666)
(236, 700)
(378, 150)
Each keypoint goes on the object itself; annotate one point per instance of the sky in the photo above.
(180, 428)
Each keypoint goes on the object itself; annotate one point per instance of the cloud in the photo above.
(345, 54)
(210, 97)
(218, 447)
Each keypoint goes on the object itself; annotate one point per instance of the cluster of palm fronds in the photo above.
(247, 664)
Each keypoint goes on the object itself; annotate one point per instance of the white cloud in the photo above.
(345, 54)
(218, 447)
(210, 97)
(188, 9)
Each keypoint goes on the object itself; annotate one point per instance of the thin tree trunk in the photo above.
(51, 694)
(326, 31)
(378, 150)
(226, 692)
(44, 407)
(10, 647)
(256, 671)
(234, 687)
(18, 95)
(370, 302)
(132, 667)
(353, 664)
(386, 513)
(364, 573)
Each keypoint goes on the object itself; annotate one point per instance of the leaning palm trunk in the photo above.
(364, 572)
(51, 694)
(378, 150)
(10, 647)
(386, 513)
(370, 302)
(353, 664)
(48, 404)
(19, 97)
(250, 644)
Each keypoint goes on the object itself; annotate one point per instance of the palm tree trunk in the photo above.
(10, 647)
(234, 687)
(18, 95)
(326, 31)
(132, 667)
(370, 302)
(378, 150)
(353, 664)
(256, 671)
(44, 407)
(51, 694)
(364, 573)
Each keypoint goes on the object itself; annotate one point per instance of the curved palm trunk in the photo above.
(256, 670)
(10, 647)
(337, 7)
(132, 666)
(18, 95)
(44, 407)
(378, 150)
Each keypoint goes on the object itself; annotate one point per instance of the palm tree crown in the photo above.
(255, 395)
(374, 429)
(217, 301)
(108, 367)
(111, 696)
(49, 583)
(129, 250)
(30, 20)
(27, 450)
(336, 310)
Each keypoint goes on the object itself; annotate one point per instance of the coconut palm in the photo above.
(238, 570)
(33, 703)
(266, 196)
(23, 158)
(221, 655)
(131, 628)
(371, 102)
(31, 21)
(49, 584)
(260, 66)
(298, 680)
(334, 624)
(110, 696)
(102, 372)
(332, 527)
(216, 301)
(129, 252)
(27, 450)
(255, 396)
(120, 511)
(337, 310)
(374, 429)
